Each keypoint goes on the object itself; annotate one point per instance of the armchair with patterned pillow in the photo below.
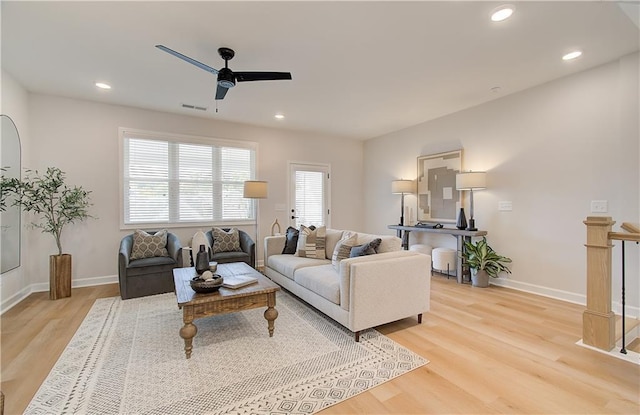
(226, 245)
(146, 261)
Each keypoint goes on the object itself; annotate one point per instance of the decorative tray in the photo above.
(208, 286)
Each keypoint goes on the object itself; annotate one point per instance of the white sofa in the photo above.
(367, 291)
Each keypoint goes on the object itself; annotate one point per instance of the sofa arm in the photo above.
(248, 245)
(273, 245)
(379, 274)
(123, 262)
(175, 248)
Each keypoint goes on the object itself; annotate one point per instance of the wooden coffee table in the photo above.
(223, 301)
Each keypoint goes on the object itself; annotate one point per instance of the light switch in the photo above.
(505, 206)
(599, 206)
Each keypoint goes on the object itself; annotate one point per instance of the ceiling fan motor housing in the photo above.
(226, 78)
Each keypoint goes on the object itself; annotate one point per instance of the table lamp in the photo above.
(471, 180)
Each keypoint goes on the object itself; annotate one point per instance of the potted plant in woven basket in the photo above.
(483, 262)
(55, 205)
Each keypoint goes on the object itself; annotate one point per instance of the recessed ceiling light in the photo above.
(102, 85)
(279, 116)
(502, 13)
(572, 55)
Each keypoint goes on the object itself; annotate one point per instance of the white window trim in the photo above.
(122, 131)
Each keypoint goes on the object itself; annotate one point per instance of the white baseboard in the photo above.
(631, 311)
(15, 299)
(44, 286)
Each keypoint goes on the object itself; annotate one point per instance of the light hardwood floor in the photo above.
(491, 350)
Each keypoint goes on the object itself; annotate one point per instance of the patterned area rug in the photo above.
(127, 357)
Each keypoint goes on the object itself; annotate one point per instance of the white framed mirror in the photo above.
(10, 155)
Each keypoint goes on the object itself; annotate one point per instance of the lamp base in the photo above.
(472, 225)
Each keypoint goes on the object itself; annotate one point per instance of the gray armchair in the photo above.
(147, 276)
(247, 245)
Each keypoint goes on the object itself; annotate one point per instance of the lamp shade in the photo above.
(255, 189)
(471, 180)
(403, 186)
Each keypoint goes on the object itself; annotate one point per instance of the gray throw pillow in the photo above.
(146, 245)
(369, 248)
(225, 241)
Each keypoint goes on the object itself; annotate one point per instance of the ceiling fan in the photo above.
(226, 77)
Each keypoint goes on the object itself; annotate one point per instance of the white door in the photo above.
(309, 190)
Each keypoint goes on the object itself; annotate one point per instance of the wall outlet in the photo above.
(599, 206)
(505, 206)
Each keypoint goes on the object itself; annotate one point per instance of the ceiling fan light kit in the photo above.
(226, 77)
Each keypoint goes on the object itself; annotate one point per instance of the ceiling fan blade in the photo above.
(188, 59)
(221, 92)
(261, 76)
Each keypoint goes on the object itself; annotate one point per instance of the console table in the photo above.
(460, 235)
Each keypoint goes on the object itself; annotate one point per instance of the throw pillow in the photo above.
(225, 241)
(146, 245)
(291, 241)
(343, 249)
(369, 248)
(311, 242)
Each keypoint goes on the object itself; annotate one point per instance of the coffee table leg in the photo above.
(188, 332)
(271, 313)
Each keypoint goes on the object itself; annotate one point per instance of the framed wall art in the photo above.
(438, 199)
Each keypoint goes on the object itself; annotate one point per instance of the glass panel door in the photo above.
(309, 189)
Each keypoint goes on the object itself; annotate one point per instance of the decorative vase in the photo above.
(479, 278)
(202, 260)
(59, 276)
(461, 223)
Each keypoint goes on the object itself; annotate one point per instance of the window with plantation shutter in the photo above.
(173, 180)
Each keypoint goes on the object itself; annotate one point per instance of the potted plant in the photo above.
(483, 262)
(55, 205)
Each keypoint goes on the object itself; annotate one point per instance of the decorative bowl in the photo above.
(208, 286)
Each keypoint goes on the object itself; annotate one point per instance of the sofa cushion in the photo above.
(146, 245)
(343, 249)
(291, 241)
(370, 248)
(225, 241)
(331, 240)
(322, 280)
(311, 242)
(235, 256)
(288, 264)
(388, 243)
(154, 265)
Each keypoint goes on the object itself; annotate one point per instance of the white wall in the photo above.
(81, 138)
(550, 150)
(14, 103)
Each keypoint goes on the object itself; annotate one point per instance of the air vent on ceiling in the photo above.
(194, 107)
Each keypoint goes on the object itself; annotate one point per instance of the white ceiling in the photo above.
(360, 69)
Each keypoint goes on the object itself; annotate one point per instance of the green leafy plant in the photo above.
(55, 203)
(8, 186)
(481, 256)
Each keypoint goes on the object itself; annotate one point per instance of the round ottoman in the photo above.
(423, 249)
(444, 260)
